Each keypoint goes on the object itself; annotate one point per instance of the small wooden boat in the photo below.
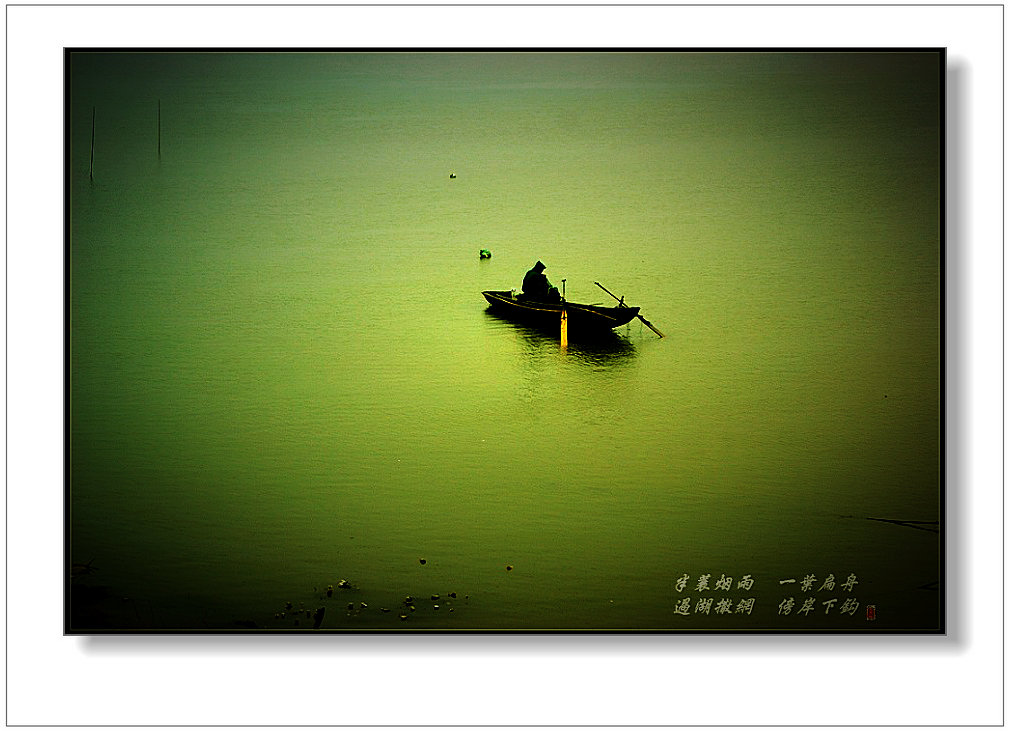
(582, 319)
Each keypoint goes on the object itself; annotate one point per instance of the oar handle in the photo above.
(620, 300)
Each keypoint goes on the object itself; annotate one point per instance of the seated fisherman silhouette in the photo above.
(536, 286)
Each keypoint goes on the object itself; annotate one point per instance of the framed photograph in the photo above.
(505, 341)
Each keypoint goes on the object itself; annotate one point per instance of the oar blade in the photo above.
(651, 327)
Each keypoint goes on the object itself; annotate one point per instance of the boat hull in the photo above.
(582, 319)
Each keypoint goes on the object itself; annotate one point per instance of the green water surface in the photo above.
(282, 373)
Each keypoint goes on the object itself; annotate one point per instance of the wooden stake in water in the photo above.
(91, 172)
(564, 318)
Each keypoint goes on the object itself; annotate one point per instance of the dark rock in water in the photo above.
(350, 607)
(318, 619)
(423, 561)
(384, 610)
(509, 567)
(452, 594)
(434, 597)
(408, 599)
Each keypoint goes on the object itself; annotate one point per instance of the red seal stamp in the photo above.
(871, 612)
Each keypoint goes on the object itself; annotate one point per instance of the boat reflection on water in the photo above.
(604, 348)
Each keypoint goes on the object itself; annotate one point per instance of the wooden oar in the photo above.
(620, 301)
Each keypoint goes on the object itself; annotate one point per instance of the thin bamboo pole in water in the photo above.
(91, 172)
